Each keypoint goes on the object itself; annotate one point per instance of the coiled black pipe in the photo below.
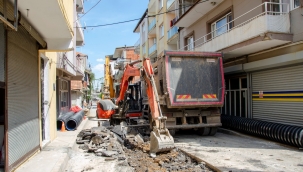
(287, 134)
(64, 118)
(74, 121)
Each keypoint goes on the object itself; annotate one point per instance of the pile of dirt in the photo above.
(137, 157)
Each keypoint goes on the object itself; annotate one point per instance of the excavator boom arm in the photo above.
(160, 138)
(129, 72)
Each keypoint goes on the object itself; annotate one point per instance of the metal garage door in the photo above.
(22, 95)
(278, 95)
(2, 53)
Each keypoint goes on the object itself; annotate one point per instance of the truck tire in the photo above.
(213, 131)
(172, 132)
(204, 131)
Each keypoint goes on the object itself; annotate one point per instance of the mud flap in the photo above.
(160, 141)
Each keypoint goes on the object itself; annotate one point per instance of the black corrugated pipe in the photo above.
(287, 134)
(74, 121)
(64, 118)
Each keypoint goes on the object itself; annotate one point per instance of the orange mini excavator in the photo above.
(118, 113)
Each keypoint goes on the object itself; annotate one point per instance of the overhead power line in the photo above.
(88, 10)
(127, 21)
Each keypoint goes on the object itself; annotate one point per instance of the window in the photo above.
(64, 85)
(294, 4)
(160, 4)
(222, 25)
(190, 43)
(275, 8)
(161, 30)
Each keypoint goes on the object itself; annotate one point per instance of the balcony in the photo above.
(152, 51)
(65, 64)
(80, 67)
(152, 6)
(170, 5)
(172, 35)
(263, 31)
(152, 27)
(191, 12)
(42, 16)
(79, 34)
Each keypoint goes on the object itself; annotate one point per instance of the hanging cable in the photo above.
(126, 21)
(88, 11)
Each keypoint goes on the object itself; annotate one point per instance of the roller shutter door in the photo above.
(22, 97)
(2, 53)
(282, 99)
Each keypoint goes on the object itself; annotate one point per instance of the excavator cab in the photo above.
(129, 105)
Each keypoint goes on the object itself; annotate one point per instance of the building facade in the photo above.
(124, 55)
(157, 29)
(28, 73)
(263, 53)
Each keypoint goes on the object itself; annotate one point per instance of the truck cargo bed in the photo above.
(194, 79)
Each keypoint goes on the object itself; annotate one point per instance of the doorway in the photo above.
(236, 98)
(45, 118)
(42, 99)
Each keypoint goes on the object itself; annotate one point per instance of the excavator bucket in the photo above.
(160, 141)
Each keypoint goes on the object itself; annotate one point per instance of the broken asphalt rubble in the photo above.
(133, 151)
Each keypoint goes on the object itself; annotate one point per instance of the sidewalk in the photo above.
(54, 156)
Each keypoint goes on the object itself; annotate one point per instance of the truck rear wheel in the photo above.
(213, 131)
(204, 131)
(172, 132)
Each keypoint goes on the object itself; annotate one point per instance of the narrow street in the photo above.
(227, 151)
(151, 85)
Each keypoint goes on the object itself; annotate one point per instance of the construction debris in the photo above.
(134, 152)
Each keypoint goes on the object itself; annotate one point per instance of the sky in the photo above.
(102, 41)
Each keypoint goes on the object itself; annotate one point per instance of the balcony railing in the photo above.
(169, 2)
(152, 24)
(80, 67)
(185, 6)
(172, 32)
(152, 49)
(273, 18)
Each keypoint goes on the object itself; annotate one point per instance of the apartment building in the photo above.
(141, 46)
(262, 42)
(156, 28)
(79, 83)
(124, 55)
(70, 65)
(31, 35)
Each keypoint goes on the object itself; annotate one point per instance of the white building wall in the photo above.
(76, 98)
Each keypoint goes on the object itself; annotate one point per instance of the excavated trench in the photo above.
(134, 152)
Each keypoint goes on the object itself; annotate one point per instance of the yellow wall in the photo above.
(67, 8)
(51, 93)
